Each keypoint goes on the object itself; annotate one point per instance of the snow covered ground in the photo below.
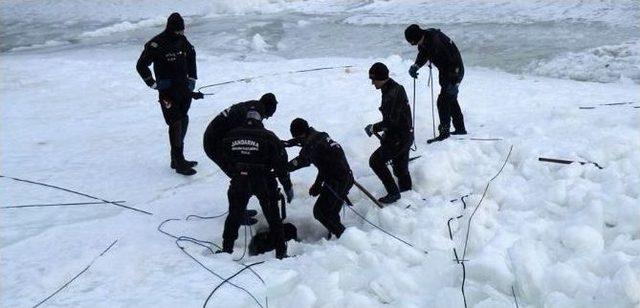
(75, 114)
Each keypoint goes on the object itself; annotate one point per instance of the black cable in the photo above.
(247, 79)
(202, 244)
(159, 228)
(515, 299)
(369, 222)
(76, 192)
(182, 248)
(244, 251)
(228, 281)
(464, 204)
(218, 216)
(464, 279)
(76, 276)
(207, 217)
(466, 241)
(480, 139)
(455, 254)
(54, 204)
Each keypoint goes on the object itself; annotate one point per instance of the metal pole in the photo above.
(433, 118)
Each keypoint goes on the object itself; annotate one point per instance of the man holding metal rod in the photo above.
(395, 132)
(437, 48)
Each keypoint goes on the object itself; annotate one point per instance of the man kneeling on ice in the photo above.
(334, 174)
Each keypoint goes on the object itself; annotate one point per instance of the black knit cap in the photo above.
(175, 22)
(413, 34)
(270, 103)
(298, 127)
(378, 71)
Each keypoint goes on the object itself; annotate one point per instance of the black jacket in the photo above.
(255, 151)
(231, 118)
(396, 112)
(173, 58)
(324, 153)
(442, 52)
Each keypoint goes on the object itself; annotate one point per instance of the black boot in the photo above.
(390, 198)
(459, 129)
(404, 182)
(226, 248)
(443, 134)
(184, 168)
(281, 252)
(178, 162)
(190, 163)
(393, 193)
(177, 150)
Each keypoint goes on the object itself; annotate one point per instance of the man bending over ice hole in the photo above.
(230, 118)
(334, 175)
(254, 157)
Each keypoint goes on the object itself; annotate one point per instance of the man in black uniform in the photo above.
(334, 175)
(255, 157)
(397, 137)
(230, 118)
(174, 65)
(437, 48)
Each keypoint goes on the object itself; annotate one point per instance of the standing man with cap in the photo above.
(255, 158)
(397, 137)
(437, 48)
(334, 174)
(174, 66)
(230, 118)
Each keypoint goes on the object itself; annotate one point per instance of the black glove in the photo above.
(197, 95)
(315, 189)
(413, 71)
(191, 83)
(150, 82)
(289, 194)
(369, 130)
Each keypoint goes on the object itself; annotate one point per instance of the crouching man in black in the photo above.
(254, 156)
(396, 137)
(230, 118)
(174, 65)
(334, 178)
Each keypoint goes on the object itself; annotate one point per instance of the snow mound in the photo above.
(259, 44)
(601, 64)
(125, 26)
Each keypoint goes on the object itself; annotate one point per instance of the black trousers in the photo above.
(175, 103)
(396, 150)
(241, 189)
(328, 206)
(448, 106)
(212, 143)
